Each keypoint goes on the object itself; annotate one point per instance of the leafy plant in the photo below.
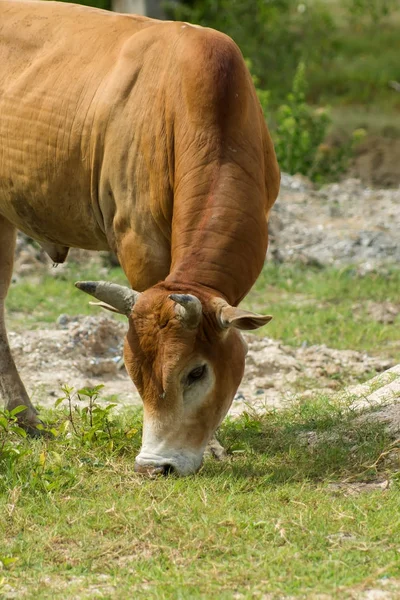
(10, 434)
(91, 422)
(12, 448)
(301, 129)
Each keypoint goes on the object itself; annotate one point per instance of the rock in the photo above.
(341, 223)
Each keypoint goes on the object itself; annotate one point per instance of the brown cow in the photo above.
(145, 137)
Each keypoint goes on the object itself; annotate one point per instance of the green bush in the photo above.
(341, 48)
(374, 10)
(301, 132)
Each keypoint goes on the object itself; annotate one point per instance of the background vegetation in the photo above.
(350, 47)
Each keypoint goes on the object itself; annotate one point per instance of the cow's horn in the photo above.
(188, 309)
(118, 296)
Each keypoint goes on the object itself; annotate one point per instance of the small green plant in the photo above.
(91, 422)
(10, 434)
(300, 137)
(12, 447)
(301, 129)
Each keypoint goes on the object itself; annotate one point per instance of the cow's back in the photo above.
(55, 60)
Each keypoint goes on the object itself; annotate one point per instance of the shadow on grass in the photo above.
(313, 440)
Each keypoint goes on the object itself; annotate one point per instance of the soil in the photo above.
(377, 160)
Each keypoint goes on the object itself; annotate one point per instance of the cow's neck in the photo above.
(219, 237)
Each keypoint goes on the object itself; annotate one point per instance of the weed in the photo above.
(300, 133)
(300, 130)
(11, 434)
(94, 420)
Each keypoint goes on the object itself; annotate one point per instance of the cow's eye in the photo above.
(196, 374)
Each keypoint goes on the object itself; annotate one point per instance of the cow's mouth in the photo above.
(179, 464)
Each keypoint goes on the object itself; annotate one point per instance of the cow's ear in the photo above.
(231, 316)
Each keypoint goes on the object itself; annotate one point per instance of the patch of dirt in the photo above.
(359, 487)
(376, 161)
(382, 312)
(80, 351)
(339, 224)
(275, 372)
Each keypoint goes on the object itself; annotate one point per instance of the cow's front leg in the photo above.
(11, 387)
(144, 263)
(216, 450)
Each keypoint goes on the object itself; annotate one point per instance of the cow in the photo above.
(146, 138)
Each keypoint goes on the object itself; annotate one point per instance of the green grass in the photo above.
(79, 523)
(309, 305)
(327, 306)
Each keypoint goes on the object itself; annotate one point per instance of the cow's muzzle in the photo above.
(180, 464)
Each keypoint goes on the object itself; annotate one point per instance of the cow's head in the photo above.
(185, 354)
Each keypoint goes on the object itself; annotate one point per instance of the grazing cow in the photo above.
(144, 137)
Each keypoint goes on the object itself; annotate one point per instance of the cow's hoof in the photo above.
(35, 428)
(37, 431)
(215, 450)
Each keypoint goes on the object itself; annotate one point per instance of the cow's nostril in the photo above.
(163, 470)
(154, 470)
(168, 469)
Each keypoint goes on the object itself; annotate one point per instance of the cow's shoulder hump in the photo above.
(215, 79)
